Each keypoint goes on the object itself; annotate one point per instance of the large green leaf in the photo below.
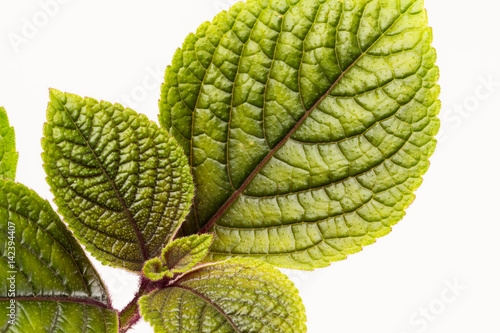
(308, 124)
(56, 287)
(238, 295)
(122, 184)
(8, 154)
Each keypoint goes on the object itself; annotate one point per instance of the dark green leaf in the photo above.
(122, 184)
(56, 287)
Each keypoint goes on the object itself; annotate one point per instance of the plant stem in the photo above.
(130, 315)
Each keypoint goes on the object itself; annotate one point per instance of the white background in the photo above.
(117, 50)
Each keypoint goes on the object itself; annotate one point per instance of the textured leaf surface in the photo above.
(238, 295)
(122, 184)
(308, 124)
(179, 256)
(8, 154)
(56, 287)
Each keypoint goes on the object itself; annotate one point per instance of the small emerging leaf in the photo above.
(122, 183)
(154, 270)
(56, 287)
(8, 154)
(179, 256)
(184, 253)
(308, 124)
(237, 295)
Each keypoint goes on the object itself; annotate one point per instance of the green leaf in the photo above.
(179, 256)
(122, 184)
(238, 295)
(8, 154)
(56, 287)
(183, 254)
(308, 124)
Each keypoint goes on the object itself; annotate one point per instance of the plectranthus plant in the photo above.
(292, 134)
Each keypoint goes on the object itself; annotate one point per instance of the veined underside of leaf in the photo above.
(56, 287)
(308, 124)
(122, 183)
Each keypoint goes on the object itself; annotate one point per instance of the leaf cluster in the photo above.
(293, 133)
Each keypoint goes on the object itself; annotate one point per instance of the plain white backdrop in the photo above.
(436, 272)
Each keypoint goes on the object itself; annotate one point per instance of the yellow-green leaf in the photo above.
(237, 295)
(179, 256)
(308, 124)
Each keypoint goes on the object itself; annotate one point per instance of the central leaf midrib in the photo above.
(172, 265)
(209, 302)
(188, 253)
(212, 221)
(127, 212)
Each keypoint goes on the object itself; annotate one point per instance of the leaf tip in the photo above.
(54, 93)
